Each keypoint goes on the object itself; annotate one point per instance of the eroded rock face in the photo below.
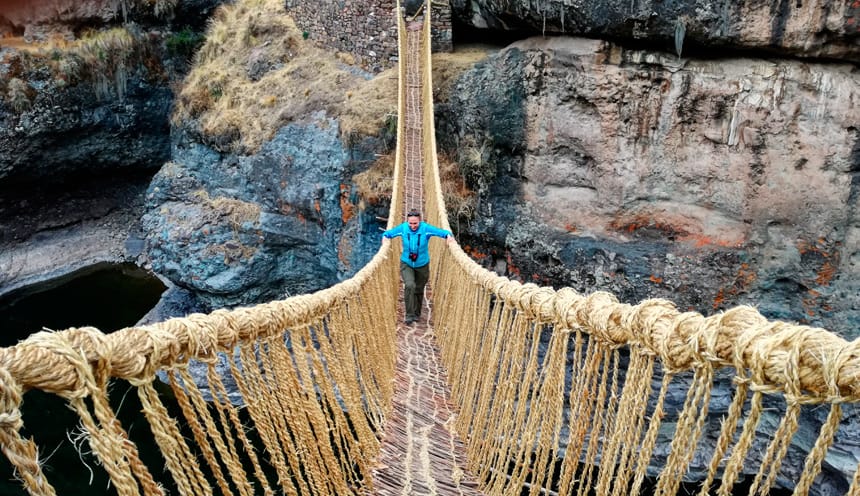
(44, 20)
(70, 133)
(817, 28)
(246, 229)
(80, 135)
(41, 20)
(708, 183)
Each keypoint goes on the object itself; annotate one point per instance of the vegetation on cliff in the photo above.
(256, 73)
(104, 58)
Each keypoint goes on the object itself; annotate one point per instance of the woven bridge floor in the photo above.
(421, 453)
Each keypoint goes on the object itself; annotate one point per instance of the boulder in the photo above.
(240, 229)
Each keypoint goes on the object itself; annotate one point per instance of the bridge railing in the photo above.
(565, 393)
(314, 375)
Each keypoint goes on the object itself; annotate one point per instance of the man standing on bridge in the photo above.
(415, 260)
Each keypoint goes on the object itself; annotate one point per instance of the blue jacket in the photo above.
(416, 241)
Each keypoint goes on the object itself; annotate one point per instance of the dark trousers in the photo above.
(414, 279)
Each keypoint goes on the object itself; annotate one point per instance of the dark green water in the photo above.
(106, 296)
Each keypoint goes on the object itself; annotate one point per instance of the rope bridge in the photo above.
(558, 392)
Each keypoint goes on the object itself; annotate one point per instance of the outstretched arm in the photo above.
(391, 233)
(438, 232)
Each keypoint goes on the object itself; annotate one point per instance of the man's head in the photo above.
(413, 218)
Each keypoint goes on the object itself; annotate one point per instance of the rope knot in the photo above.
(63, 357)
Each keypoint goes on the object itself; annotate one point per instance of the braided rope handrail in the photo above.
(828, 366)
(315, 371)
(354, 318)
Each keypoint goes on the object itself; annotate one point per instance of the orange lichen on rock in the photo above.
(825, 274)
(347, 209)
(474, 253)
(700, 240)
(513, 270)
(344, 251)
(743, 279)
(679, 227)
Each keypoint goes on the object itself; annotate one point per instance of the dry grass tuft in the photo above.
(17, 94)
(459, 199)
(105, 57)
(237, 212)
(108, 56)
(256, 73)
(368, 106)
(374, 184)
(447, 67)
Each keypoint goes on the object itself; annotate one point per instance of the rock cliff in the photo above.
(711, 183)
(813, 28)
(85, 97)
(238, 229)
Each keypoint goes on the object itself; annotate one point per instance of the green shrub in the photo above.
(106, 57)
(184, 43)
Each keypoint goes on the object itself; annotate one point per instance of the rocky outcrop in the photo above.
(58, 18)
(711, 183)
(239, 229)
(816, 28)
(70, 133)
(61, 19)
(83, 126)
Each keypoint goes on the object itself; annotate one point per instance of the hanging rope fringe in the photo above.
(556, 390)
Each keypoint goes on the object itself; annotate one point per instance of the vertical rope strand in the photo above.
(258, 407)
(199, 432)
(22, 453)
(579, 404)
(178, 458)
(606, 356)
(224, 405)
(650, 440)
(687, 431)
(551, 411)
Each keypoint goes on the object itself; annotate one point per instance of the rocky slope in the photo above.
(71, 161)
(709, 182)
(237, 229)
(84, 104)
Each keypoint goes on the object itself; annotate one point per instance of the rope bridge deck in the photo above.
(421, 452)
(558, 392)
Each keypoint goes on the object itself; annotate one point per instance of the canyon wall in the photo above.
(809, 28)
(708, 182)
